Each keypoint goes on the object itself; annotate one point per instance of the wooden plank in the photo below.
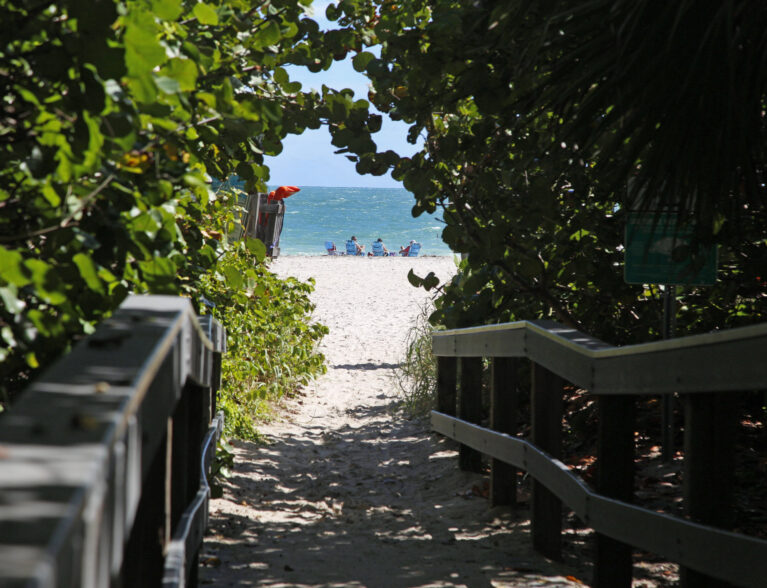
(182, 553)
(470, 409)
(503, 418)
(720, 554)
(213, 332)
(709, 451)
(717, 553)
(615, 479)
(144, 548)
(76, 442)
(506, 340)
(188, 431)
(565, 351)
(724, 361)
(709, 447)
(215, 382)
(447, 385)
(158, 405)
(546, 408)
(181, 475)
(216, 334)
(698, 366)
(520, 453)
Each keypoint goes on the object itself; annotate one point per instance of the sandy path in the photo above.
(349, 493)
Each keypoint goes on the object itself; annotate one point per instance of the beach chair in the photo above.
(414, 249)
(351, 247)
(378, 249)
(331, 248)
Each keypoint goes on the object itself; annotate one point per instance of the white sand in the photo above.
(367, 303)
(348, 492)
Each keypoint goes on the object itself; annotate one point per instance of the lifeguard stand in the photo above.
(263, 220)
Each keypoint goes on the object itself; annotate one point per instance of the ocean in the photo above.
(318, 214)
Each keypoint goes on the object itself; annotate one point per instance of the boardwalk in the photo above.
(347, 492)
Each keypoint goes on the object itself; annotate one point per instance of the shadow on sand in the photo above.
(382, 504)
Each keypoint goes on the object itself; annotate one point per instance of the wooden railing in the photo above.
(103, 460)
(707, 371)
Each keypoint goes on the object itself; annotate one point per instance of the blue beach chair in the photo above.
(351, 247)
(378, 249)
(414, 249)
(330, 247)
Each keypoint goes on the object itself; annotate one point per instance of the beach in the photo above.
(319, 214)
(347, 491)
(366, 302)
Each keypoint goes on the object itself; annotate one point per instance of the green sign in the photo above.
(659, 251)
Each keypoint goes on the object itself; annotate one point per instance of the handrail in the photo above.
(92, 446)
(699, 367)
(720, 361)
(179, 554)
(722, 554)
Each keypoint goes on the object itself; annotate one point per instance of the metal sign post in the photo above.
(659, 249)
(667, 400)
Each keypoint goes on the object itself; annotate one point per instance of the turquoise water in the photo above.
(318, 214)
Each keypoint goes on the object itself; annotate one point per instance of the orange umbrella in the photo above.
(279, 194)
(283, 192)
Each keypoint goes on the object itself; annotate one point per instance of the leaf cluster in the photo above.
(271, 339)
(416, 375)
(541, 125)
(115, 116)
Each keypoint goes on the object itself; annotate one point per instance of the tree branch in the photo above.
(65, 221)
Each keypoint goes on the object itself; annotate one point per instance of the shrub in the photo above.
(271, 341)
(416, 376)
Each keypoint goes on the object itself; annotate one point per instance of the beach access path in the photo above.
(347, 492)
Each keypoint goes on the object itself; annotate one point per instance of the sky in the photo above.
(308, 159)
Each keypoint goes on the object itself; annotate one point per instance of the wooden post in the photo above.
(143, 557)
(615, 478)
(503, 418)
(215, 384)
(709, 447)
(447, 368)
(182, 474)
(189, 428)
(470, 409)
(546, 408)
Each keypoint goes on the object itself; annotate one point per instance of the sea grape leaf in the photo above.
(184, 71)
(167, 9)
(256, 247)
(143, 51)
(205, 14)
(89, 272)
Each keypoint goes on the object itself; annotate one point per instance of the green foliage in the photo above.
(115, 115)
(532, 130)
(221, 467)
(271, 339)
(272, 343)
(416, 375)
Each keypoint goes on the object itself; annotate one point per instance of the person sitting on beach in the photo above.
(360, 248)
(405, 250)
(385, 250)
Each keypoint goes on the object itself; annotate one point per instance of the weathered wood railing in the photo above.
(103, 460)
(706, 370)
